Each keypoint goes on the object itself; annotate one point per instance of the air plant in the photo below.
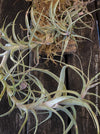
(61, 99)
(16, 82)
(54, 28)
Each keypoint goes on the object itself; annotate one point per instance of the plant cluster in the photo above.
(56, 30)
(54, 25)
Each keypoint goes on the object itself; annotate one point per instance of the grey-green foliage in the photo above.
(19, 80)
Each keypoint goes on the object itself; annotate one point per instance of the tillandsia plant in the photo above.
(16, 82)
(53, 26)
